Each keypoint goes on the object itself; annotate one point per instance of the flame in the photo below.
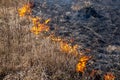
(84, 59)
(47, 21)
(80, 67)
(109, 76)
(65, 47)
(24, 10)
(54, 38)
(35, 30)
(35, 20)
(38, 27)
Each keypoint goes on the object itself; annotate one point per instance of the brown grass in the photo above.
(23, 57)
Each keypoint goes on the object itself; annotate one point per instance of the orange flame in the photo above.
(47, 21)
(35, 20)
(38, 27)
(35, 30)
(24, 10)
(80, 67)
(84, 59)
(109, 76)
(56, 39)
(65, 47)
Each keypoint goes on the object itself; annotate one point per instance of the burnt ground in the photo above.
(94, 25)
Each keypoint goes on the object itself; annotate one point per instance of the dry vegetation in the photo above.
(25, 57)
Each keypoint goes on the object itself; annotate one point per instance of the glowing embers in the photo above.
(65, 47)
(80, 67)
(109, 76)
(39, 27)
(25, 10)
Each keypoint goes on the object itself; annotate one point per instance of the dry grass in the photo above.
(24, 57)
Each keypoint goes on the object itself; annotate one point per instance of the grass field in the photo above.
(25, 56)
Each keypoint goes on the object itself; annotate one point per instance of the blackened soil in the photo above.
(95, 26)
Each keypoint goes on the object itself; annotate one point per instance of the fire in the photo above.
(80, 67)
(54, 38)
(26, 9)
(84, 59)
(65, 47)
(109, 76)
(47, 21)
(35, 20)
(35, 30)
(38, 27)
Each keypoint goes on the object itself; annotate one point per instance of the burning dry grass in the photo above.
(39, 27)
(80, 67)
(65, 47)
(22, 56)
(25, 10)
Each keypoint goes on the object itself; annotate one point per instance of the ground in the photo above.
(93, 25)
